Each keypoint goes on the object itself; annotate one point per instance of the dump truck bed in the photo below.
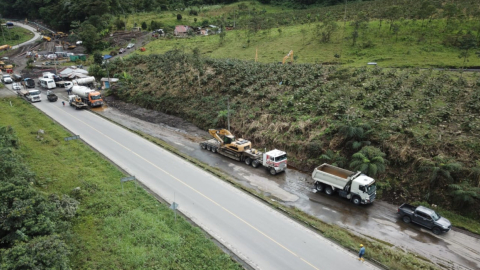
(331, 175)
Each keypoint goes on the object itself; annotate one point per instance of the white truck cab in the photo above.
(34, 95)
(275, 159)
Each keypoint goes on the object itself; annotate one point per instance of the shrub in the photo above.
(179, 17)
(370, 161)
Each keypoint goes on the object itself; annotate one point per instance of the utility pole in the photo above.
(108, 75)
(228, 112)
(3, 34)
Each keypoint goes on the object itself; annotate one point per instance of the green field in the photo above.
(271, 46)
(112, 229)
(15, 35)
(390, 33)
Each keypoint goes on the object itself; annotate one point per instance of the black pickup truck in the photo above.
(425, 217)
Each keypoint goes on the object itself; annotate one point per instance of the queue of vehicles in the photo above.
(82, 96)
(354, 186)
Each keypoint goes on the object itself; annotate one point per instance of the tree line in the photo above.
(60, 13)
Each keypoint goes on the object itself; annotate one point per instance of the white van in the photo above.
(47, 83)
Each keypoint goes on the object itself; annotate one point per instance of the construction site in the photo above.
(55, 49)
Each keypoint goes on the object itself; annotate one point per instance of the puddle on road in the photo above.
(379, 219)
(100, 109)
(263, 184)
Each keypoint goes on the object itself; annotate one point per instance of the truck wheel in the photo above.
(436, 230)
(203, 146)
(214, 150)
(319, 187)
(407, 219)
(248, 161)
(329, 190)
(356, 200)
(272, 171)
(255, 163)
(209, 148)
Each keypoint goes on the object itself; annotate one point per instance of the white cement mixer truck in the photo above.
(82, 81)
(91, 97)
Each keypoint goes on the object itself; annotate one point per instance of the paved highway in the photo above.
(261, 236)
(32, 40)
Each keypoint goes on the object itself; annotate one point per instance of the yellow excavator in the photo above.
(226, 139)
(289, 55)
(224, 143)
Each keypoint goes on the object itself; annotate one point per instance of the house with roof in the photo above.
(181, 30)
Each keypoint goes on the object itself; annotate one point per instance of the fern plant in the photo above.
(334, 158)
(370, 161)
(464, 194)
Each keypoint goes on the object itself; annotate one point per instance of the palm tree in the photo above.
(464, 194)
(334, 158)
(355, 134)
(440, 167)
(475, 172)
(370, 161)
(221, 117)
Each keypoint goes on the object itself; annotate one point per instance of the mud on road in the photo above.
(453, 250)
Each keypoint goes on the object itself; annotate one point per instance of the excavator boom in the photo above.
(225, 138)
(215, 134)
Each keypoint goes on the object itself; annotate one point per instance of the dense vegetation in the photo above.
(415, 130)
(94, 226)
(33, 226)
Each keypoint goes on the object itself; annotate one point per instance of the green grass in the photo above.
(410, 49)
(9, 34)
(210, 13)
(112, 229)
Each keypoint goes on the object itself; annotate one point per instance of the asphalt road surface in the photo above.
(32, 40)
(261, 236)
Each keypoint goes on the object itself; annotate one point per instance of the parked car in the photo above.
(16, 86)
(17, 77)
(4, 58)
(7, 79)
(425, 217)
(130, 45)
(122, 50)
(79, 42)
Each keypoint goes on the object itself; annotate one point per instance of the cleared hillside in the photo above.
(421, 119)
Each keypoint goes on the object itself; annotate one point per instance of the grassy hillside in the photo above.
(413, 47)
(421, 119)
(112, 229)
(392, 33)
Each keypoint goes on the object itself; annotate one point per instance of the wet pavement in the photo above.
(453, 250)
